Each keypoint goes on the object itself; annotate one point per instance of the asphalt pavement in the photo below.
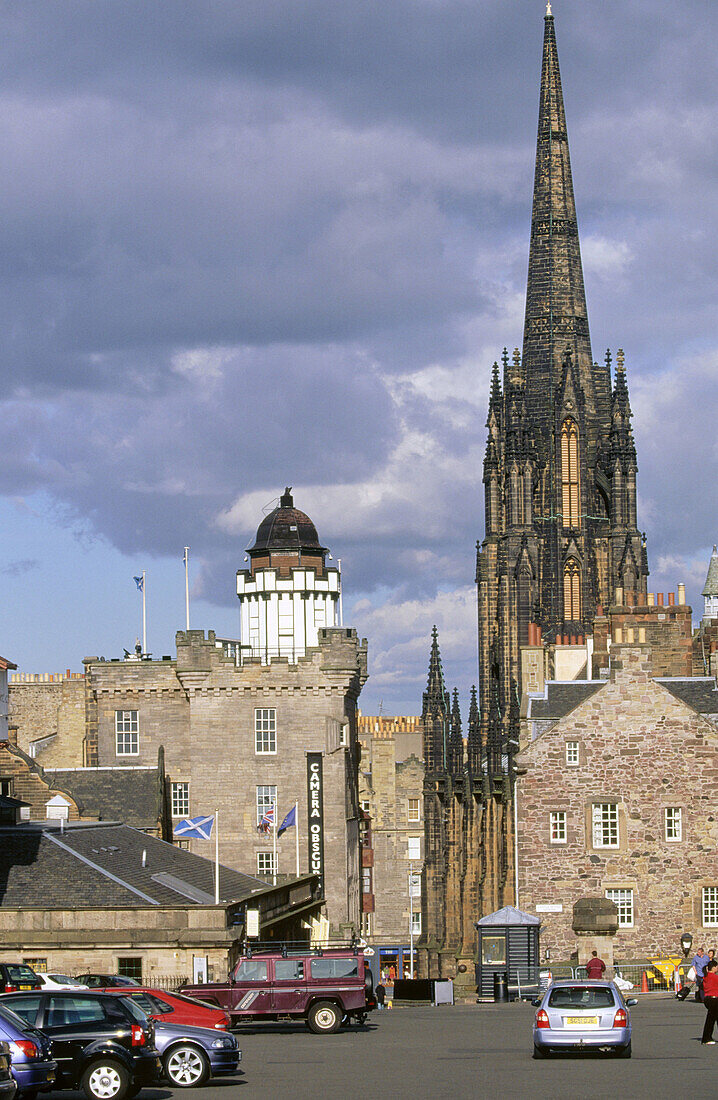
(468, 1051)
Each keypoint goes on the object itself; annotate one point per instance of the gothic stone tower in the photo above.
(560, 464)
(561, 543)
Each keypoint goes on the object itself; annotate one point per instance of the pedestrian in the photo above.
(595, 967)
(710, 998)
(700, 961)
(380, 996)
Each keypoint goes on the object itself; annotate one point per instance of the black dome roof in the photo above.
(286, 528)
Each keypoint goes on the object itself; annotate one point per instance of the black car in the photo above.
(14, 976)
(105, 981)
(102, 1042)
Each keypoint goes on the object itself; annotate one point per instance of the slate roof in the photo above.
(88, 865)
(699, 692)
(132, 795)
(561, 697)
(508, 915)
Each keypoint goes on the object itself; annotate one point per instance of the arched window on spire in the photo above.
(572, 591)
(570, 487)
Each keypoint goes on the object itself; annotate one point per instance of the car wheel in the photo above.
(105, 1080)
(186, 1066)
(324, 1018)
(540, 1052)
(625, 1052)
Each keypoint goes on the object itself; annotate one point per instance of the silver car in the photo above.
(583, 1015)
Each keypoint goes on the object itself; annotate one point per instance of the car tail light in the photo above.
(138, 1036)
(29, 1049)
(621, 1018)
(11, 989)
(542, 1019)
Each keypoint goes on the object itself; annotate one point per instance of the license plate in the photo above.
(24, 987)
(51, 1077)
(581, 1021)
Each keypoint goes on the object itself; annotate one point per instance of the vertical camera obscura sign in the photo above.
(315, 804)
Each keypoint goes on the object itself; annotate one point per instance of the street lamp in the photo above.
(412, 887)
(686, 941)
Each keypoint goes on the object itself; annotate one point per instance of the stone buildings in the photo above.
(391, 778)
(5, 666)
(616, 796)
(244, 725)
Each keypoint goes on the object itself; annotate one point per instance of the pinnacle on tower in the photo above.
(436, 712)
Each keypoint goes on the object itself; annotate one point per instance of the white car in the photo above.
(60, 981)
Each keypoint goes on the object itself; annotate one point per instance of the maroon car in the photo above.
(322, 987)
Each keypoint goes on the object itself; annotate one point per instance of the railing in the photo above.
(169, 982)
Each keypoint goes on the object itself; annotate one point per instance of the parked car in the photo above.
(8, 1085)
(60, 981)
(105, 981)
(102, 1042)
(14, 976)
(323, 987)
(191, 1055)
(175, 1008)
(33, 1065)
(582, 1015)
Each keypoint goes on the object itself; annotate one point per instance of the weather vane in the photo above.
(548, 7)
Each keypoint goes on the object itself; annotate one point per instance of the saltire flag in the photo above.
(267, 821)
(289, 821)
(195, 828)
(140, 582)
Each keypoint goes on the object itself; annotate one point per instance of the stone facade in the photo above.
(391, 795)
(641, 750)
(201, 707)
(48, 712)
(22, 779)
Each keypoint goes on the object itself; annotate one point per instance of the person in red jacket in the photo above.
(710, 997)
(595, 967)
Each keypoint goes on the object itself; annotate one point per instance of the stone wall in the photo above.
(644, 750)
(50, 718)
(27, 784)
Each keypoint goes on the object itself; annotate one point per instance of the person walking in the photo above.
(710, 999)
(595, 967)
(700, 961)
(380, 996)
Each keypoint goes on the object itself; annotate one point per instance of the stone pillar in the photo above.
(595, 922)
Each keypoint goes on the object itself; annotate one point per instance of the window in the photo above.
(416, 922)
(605, 825)
(415, 885)
(413, 847)
(572, 753)
(413, 810)
(180, 800)
(38, 965)
(335, 968)
(674, 823)
(63, 1011)
(130, 967)
(366, 805)
(6, 787)
(366, 880)
(289, 970)
(265, 730)
(183, 844)
(558, 827)
(265, 863)
(571, 591)
(251, 970)
(126, 733)
(266, 800)
(623, 900)
(570, 494)
(710, 906)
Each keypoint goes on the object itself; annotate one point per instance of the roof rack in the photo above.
(297, 947)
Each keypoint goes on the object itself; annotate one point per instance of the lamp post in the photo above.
(411, 919)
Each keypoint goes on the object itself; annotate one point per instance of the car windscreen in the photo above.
(21, 975)
(581, 997)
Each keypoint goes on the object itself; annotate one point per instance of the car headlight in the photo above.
(227, 1042)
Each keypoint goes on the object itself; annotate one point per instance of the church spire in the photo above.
(556, 318)
(436, 712)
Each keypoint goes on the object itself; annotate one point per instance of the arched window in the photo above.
(570, 489)
(571, 591)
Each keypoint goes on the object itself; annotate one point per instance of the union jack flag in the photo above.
(267, 821)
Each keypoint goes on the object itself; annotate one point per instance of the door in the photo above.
(199, 970)
(251, 990)
(289, 990)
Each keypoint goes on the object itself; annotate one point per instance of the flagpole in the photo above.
(216, 857)
(144, 615)
(274, 858)
(186, 584)
(296, 830)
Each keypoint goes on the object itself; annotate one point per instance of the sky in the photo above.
(281, 243)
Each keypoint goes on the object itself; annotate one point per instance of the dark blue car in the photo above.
(33, 1066)
(191, 1055)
